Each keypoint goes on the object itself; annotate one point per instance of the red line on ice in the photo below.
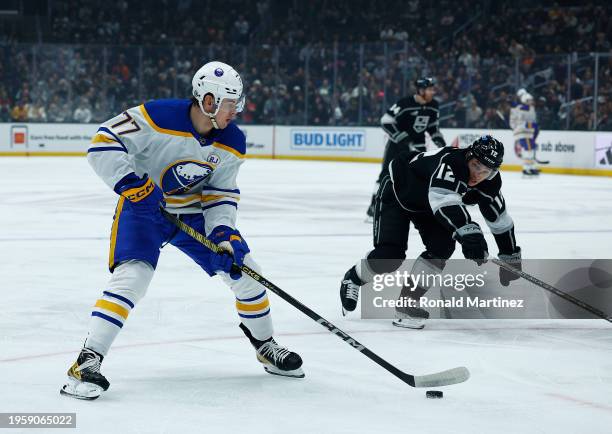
(581, 402)
(221, 338)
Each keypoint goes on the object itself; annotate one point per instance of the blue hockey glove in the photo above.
(230, 240)
(222, 262)
(143, 194)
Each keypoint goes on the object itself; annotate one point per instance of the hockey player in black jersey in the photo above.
(431, 190)
(406, 122)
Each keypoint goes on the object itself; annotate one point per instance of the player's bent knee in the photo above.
(385, 258)
(131, 280)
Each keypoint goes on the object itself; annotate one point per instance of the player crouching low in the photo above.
(431, 190)
(185, 155)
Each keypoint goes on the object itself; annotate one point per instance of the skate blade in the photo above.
(81, 390)
(408, 325)
(296, 373)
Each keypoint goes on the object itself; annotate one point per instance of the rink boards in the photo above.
(571, 152)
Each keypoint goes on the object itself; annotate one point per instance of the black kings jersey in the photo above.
(436, 182)
(407, 120)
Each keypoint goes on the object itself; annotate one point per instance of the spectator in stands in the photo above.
(5, 106)
(159, 63)
(37, 112)
(58, 110)
(82, 114)
(241, 29)
(473, 115)
(493, 121)
(19, 113)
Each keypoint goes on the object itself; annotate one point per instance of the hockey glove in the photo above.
(143, 194)
(472, 242)
(230, 240)
(222, 262)
(514, 259)
(471, 197)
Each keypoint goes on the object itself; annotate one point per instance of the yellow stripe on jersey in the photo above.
(143, 110)
(182, 200)
(228, 149)
(113, 307)
(101, 138)
(115, 227)
(213, 197)
(252, 307)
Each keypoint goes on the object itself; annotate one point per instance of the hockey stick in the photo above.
(556, 291)
(444, 378)
(501, 116)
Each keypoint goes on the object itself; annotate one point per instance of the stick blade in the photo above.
(444, 378)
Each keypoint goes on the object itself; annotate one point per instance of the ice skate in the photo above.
(349, 291)
(277, 360)
(410, 318)
(84, 378)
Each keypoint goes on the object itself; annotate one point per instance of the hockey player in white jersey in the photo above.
(185, 155)
(523, 122)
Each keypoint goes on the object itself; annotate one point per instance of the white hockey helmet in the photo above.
(222, 82)
(524, 96)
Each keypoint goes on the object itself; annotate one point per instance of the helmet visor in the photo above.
(231, 105)
(479, 169)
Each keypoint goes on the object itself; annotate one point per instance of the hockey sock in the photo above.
(126, 287)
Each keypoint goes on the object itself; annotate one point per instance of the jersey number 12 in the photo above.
(445, 173)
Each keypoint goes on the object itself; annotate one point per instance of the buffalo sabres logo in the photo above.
(183, 175)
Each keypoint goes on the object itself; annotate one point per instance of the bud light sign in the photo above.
(328, 139)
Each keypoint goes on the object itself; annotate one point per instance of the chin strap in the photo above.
(214, 121)
(211, 117)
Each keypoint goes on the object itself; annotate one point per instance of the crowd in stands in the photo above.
(322, 62)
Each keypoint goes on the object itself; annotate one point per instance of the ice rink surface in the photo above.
(181, 364)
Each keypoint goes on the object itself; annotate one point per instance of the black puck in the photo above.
(434, 394)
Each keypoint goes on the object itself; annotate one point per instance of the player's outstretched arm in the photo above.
(492, 205)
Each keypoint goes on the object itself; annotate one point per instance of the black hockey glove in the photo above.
(471, 197)
(472, 242)
(514, 259)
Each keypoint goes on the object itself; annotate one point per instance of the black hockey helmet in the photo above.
(488, 150)
(424, 82)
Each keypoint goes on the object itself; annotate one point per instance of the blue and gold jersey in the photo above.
(196, 173)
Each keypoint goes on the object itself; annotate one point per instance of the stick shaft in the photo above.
(407, 378)
(564, 295)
